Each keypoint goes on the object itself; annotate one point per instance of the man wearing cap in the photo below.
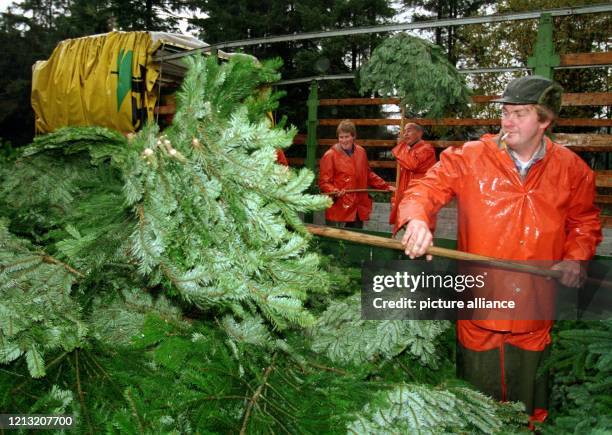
(520, 196)
(414, 157)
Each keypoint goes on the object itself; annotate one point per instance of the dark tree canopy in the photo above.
(244, 19)
(30, 30)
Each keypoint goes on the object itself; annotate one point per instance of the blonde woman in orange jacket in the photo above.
(345, 167)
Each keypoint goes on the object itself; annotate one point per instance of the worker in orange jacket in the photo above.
(414, 157)
(345, 167)
(522, 197)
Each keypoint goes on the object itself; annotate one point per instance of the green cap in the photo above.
(533, 90)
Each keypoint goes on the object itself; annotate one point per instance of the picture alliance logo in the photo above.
(412, 282)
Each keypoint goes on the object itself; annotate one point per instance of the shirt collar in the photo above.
(348, 152)
(523, 167)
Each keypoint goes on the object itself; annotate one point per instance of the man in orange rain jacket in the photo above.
(414, 157)
(522, 197)
(345, 167)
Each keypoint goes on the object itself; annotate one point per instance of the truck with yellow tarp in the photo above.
(114, 80)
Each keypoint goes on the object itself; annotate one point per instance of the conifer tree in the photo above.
(162, 282)
(581, 365)
(418, 73)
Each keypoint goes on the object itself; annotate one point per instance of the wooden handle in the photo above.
(383, 242)
(358, 190)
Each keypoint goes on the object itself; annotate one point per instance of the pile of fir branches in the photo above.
(164, 283)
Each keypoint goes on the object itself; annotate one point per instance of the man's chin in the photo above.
(510, 139)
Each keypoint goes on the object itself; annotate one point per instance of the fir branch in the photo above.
(49, 366)
(80, 391)
(134, 410)
(49, 259)
(329, 369)
(37, 313)
(244, 398)
(410, 408)
(580, 364)
(253, 400)
(416, 71)
(345, 338)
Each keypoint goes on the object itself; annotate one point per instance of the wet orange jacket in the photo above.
(548, 216)
(413, 164)
(338, 171)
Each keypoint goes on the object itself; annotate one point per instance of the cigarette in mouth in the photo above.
(504, 136)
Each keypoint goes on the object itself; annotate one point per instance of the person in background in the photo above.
(345, 167)
(520, 196)
(281, 159)
(414, 157)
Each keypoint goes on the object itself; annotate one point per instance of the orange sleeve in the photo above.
(376, 182)
(413, 159)
(582, 225)
(326, 173)
(280, 158)
(427, 195)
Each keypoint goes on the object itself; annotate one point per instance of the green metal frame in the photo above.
(311, 136)
(544, 58)
(311, 132)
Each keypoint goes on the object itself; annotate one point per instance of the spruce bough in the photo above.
(160, 283)
(419, 73)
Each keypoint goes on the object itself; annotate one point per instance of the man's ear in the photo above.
(545, 124)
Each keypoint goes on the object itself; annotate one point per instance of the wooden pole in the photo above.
(358, 190)
(383, 242)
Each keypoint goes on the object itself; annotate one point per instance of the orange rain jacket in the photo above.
(338, 171)
(548, 216)
(413, 164)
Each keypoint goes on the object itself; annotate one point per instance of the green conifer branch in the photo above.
(345, 338)
(258, 392)
(417, 72)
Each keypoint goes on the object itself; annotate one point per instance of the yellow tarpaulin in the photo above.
(106, 80)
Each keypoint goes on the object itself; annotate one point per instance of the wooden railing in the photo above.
(576, 142)
(590, 142)
(586, 142)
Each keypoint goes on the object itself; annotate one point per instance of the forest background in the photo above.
(30, 29)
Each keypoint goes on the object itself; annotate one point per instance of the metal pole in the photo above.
(311, 134)
(311, 138)
(544, 59)
(559, 12)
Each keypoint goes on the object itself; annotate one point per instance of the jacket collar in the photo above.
(402, 145)
(543, 151)
(339, 149)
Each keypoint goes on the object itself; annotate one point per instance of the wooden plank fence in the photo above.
(587, 142)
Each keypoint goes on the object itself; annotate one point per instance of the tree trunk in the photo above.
(439, 29)
(149, 15)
